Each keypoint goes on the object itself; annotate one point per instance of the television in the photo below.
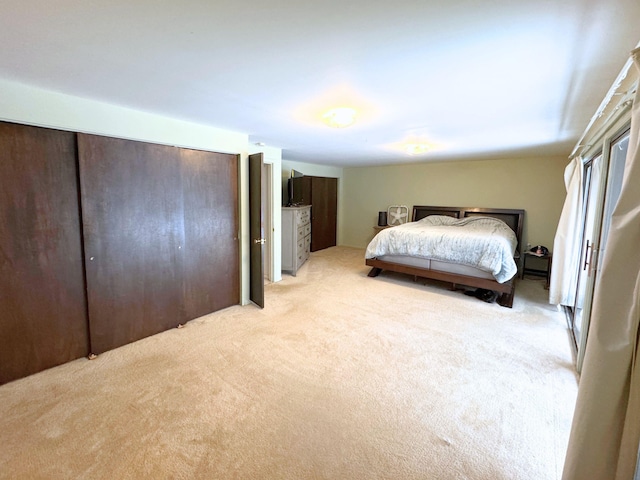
(293, 202)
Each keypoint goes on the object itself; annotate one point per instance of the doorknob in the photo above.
(259, 240)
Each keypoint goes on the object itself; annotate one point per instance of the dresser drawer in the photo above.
(304, 249)
(302, 257)
(307, 245)
(303, 217)
(303, 231)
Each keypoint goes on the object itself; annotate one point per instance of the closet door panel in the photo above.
(133, 229)
(211, 263)
(324, 210)
(42, 292)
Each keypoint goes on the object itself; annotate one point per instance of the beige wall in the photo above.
(535, 185)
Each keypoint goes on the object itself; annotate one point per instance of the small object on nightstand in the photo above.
(539, 251)
(382, 219)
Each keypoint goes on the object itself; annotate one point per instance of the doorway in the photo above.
(267, 220)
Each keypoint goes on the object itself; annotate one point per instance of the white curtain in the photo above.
(606, 426)
(566, 256)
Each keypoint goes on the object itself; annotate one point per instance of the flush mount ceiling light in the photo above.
(340, 117)
(416, 148)
(417, 145)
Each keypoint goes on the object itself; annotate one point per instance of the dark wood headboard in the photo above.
(512, 217)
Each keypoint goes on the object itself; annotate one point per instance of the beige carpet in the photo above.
(340, 377)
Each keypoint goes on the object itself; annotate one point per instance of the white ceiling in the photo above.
(475, 78)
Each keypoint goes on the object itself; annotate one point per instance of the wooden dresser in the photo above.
(296, 237)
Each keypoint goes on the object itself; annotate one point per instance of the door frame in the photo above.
(267, 219)
(272, 156)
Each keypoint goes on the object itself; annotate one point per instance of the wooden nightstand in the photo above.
(544, 258)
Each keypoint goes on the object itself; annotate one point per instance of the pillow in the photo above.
(439, 220)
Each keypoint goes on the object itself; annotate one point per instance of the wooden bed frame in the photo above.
(513, 218)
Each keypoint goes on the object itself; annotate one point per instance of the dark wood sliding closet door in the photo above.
(211, 278)
(42, 295)
(324, 212)
(322, 194)
(160, 228)
(133, 231)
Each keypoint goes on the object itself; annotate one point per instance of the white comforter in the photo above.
(481, 242)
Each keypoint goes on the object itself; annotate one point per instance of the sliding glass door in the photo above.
(602, 183)
(592, 189)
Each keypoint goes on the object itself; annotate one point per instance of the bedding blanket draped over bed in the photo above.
(481, 242)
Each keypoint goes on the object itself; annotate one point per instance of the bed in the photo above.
(501, 281)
